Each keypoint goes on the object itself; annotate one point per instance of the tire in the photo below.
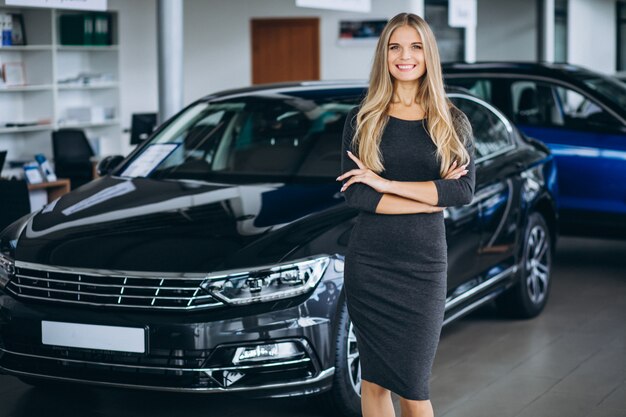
(344, 398)
(528, 297)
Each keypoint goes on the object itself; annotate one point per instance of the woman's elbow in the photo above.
(463, 196)
(466, 195)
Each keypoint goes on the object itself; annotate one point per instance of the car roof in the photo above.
(571, 74)
(294, 87)
(553, 69)
(565, 71)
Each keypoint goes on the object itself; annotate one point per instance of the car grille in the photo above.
(159, 369)
(103, 289)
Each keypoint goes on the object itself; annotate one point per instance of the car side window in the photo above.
(476, 86)
(580, 112)
(534, 104)
(491, 135)
(541, 104)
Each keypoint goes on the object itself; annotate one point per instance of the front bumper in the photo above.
(185, 353)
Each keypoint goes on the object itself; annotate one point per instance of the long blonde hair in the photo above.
(372, 117)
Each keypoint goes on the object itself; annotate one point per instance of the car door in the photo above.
(588, 143)
(497, 186)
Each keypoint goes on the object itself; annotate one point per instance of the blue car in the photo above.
(581, 116)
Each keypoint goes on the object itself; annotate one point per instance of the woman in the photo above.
(412, 156)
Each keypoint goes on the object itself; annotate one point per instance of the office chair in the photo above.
(15, 201)
(142, 126)
(72, 156)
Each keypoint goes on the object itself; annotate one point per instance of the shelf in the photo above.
(22, 88)
(44, 98)
(88, 48)
(88, 86)
(90, 124)
(36, 128)
(26, 48)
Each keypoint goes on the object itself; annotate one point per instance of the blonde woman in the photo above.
(408, 154)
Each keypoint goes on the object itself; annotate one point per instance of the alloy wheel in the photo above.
(354, 361)
(537, 264)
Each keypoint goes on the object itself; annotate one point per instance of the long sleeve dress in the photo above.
(395, 265)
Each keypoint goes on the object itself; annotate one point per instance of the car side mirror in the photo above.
(106, 165)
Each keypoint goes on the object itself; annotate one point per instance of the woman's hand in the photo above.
(365, 176)
(455, 172)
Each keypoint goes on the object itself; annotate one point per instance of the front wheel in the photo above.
(345, 396)
(528, 297)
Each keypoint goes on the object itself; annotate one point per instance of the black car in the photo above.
(211, 258)
(581, 116)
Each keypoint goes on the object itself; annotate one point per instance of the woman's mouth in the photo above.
(405, 67)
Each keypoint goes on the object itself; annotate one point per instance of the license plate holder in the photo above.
(94, 336)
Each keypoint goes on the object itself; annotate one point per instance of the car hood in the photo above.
(172, 226)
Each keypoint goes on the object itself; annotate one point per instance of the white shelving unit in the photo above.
(45, 99)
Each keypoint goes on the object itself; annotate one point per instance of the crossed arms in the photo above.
(366, 191)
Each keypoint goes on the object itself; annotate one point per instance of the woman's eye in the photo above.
(417, 47)
(393, 47)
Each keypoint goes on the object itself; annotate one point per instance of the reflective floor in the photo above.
(569, 362)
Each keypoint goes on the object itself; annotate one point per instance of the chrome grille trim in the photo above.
(93, 284)
(109, 272)
(149, 297)
(147, 307)
(326, 373)
(159, 368)
(144, 290)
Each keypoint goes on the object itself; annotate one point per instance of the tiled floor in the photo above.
(568, 362)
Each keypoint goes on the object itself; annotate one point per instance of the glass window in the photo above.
(608, 87)
(541, 104)
(580, 112)
(621, 36)
(478, 87)
(451, 41)
(560, 30)
(252, 138)
(534, 104)
(490, 133)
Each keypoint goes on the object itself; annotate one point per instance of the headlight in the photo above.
(7, 270)
(267, 284)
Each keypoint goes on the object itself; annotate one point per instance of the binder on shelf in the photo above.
(88, 29)
(72, 29)
(6, 25)
(102, 23)
(85, 29)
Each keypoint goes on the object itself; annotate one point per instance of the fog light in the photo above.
(282, 350)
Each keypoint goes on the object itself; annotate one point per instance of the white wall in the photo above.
(218, 48)
(506, 31)
(591, 34)
(138, 60)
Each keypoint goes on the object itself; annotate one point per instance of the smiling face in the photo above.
(405, 54)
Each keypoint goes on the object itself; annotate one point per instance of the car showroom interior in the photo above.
(177, 208)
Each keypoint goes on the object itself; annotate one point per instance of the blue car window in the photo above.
(534, 104)
(580, 112)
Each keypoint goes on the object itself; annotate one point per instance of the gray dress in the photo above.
(395, 265)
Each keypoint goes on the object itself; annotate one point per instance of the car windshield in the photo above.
(609, 87)
(258, 137)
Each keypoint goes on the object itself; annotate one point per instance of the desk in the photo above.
(54, 189)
